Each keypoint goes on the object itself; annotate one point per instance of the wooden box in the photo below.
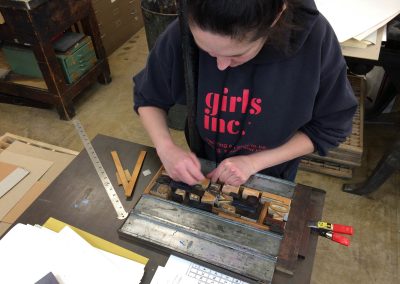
(22, 60)
(260, 209)
(244, 235)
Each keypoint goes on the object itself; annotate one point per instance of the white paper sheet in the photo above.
(178, 268)
(370, 52)
(27, 253)
(167, 276)
(357, 18)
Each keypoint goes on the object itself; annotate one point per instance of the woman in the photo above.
(272, 87)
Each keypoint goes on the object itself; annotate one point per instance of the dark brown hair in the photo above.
(241, 18)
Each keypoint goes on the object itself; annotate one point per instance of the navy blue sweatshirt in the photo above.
(262, 103)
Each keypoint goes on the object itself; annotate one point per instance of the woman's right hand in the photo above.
(181, 165)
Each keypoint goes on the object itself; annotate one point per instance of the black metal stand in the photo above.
(390, 88)
(388, 164)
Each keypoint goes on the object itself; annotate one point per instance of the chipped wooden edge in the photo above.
(8, 138)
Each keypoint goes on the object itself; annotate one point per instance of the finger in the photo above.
(191, 174)
(235, 181)
(213, 175)
(220, 172)
(195, 160)
(186, 177)
(195, 171)
(196, 176)
(227, 173)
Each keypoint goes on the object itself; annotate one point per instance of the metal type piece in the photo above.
(227, 208)
(209, 198)
(216, 187)
(164, 179)
(244, 208)
(205, 183)
(180, 193)
(161, 190)
(227, 189)
(194, 197)
(196, 189)
(229, 244)
(250, 192)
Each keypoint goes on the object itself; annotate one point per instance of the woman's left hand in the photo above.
(234, 171)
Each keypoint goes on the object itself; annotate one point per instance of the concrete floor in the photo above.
(373, 256)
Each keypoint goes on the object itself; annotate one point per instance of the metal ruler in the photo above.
(121, 213)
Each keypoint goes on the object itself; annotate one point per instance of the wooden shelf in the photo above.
(36, 26)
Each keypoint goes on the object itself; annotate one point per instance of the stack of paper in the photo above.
(29, 253)
(360, 25)
(41, 162)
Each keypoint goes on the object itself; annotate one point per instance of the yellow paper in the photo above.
(56, 226)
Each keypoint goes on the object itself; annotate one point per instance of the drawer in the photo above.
(77, 70)
(80, 55)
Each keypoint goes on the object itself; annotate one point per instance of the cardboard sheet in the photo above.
(37, 168)
(61, 160)
(25, 202)
(370, 52)
(10, 176)
(4, 227)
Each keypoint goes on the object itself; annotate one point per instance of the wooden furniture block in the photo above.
(250, 192)
(36, 23)
(135, 174)
(120, 170)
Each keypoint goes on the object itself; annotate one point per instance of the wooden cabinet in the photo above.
(118, 21)
(36, 23)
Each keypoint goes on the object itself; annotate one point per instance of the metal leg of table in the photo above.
(386, 94)
(389, 163)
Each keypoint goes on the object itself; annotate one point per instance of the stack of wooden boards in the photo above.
(340, 161)
(27, 167)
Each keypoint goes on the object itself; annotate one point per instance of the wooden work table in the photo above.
(77, 197)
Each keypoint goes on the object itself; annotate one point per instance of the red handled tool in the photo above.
(332, 231)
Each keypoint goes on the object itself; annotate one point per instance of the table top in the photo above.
(77, 197)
